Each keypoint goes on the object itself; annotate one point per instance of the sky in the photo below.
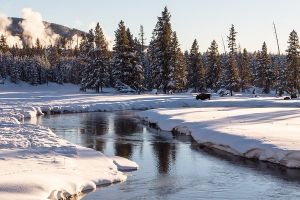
(204, 20)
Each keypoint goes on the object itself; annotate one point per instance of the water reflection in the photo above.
(264, 168)
(125, 126)
(165, 154)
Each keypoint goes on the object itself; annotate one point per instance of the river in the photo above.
(171, 167)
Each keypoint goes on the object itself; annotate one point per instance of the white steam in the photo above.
(34, 28)
(75, 41)
(11, 40)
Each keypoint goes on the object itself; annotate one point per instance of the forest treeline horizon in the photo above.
(159, 65)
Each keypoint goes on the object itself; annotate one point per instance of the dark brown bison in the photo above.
(293, 96)
(203, 96)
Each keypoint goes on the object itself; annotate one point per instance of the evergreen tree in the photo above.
(152, 71)
(293, 65)
(138, 64)
(101, 61)
(245, 72)
(177, 73)
(121, 60)
(279, 75)
(231, 71)
(59, 73)
(34, 74)
(87, 59)
(162, 41)
(232, 40)
(214, 66)
(15, 72)
(38, 48)
(3, 44)
(265, 72)
(196, 69)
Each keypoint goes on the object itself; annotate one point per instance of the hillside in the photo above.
(61, 30)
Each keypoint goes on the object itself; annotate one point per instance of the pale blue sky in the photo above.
(204, 20)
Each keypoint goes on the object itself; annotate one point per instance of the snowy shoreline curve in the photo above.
(266, 134)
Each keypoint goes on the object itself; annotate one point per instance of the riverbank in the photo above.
(266, 134)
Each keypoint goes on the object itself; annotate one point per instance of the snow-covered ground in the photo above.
(269, 134)
(35, 163)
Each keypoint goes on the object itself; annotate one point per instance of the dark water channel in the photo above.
(171, 167)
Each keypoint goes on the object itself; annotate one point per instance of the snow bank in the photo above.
(124, 164)
(36, 164)
(268, 134)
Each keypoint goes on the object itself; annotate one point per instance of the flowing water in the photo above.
(171, 167)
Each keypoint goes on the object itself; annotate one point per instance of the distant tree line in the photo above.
(160, 65)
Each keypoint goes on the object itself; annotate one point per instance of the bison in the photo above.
(293, 96)
(203, 96)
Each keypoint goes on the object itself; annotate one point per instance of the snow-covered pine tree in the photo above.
(152, 71)
(87, 58)
(214, 66)
(121, 58)
(52, 55)
(162, 39)
(279, 79)
(34, 74)
(224, 65)
(231, 72)
(100, 75)
(253, 63)
(59, 73)
(196, 76)
(15, 71)
(138, 66)
(265, 72)
(177, 73)
(245, 71)
(136, 70)
(293, 65)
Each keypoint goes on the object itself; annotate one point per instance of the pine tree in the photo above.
(101, 61)
(152, 71)
(121, 60)
(161, 45)
(3, 44)
(38, 48)
(264, 71)
(293, 65)
(231, 71)
(138, 66)
(58, 73)
(196, 69)
(214, 66)
(279, 78)
(245, 72)
(232, 40)
(34, 74)
(15, 72)
(87, 59)
(177, 73)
